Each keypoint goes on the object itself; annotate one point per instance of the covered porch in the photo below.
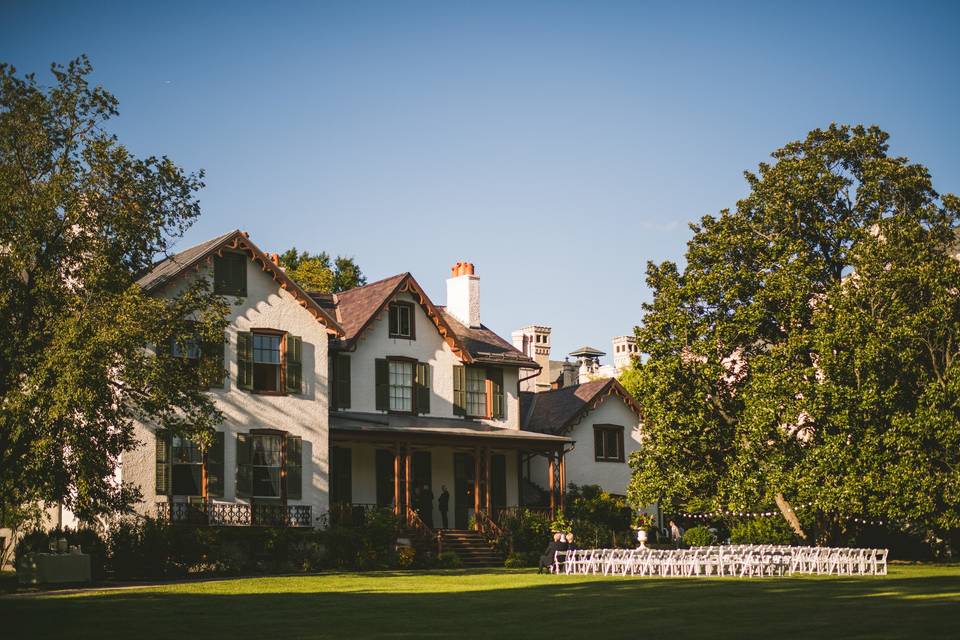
(405, 462)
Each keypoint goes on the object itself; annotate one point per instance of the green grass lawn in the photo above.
(913, 601)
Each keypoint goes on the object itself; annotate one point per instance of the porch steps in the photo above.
(472, 548)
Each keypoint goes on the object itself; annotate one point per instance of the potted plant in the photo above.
(643, 522)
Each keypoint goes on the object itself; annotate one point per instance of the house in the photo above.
(602, 419)
(366, 397)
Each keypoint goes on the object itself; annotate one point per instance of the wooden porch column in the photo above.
(553, 487)
(563, 480)
(476, 480)
(396, 478)
(486, 480)
(406, 474)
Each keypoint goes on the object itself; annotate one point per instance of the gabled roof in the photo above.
(356, 310)
(559, 411)
(170, 269)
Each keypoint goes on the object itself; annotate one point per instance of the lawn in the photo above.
(913, 601)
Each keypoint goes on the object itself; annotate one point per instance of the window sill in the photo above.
(609, 460)
(267, 393)
(409, 338)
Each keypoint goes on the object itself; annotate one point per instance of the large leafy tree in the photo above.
(81, 218)
(317, 272)
(809, 352)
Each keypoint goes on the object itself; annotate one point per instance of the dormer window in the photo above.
(230, 275)
(401, 321)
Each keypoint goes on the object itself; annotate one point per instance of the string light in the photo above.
(770, 514)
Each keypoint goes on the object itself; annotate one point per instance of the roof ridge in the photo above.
(375, 282)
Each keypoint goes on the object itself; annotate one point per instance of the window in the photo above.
(183, 469)
(402, 320)
(265, 461)
(401, 385)
(608, 443)
(476, 392)
(269, 361)
(230, 274)
(266, 362)
(197, 354)
(187, 468)
(269, 465)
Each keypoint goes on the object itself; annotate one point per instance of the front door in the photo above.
(463, 472)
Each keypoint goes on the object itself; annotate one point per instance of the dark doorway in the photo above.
(463, 473)
(424, 499)
(498, 480)
(384, 477)
(341, 476)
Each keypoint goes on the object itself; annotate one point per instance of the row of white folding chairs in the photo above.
(727, 560)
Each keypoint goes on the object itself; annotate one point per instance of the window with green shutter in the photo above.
(495, 376)
(163, 462)
(230, 274)
(244, 466)
(214, 352)
(341, 381)
(382, 384)
(293, 364)
(422, 384)
(293, 472)
(214, 466)
(459, 390)
(245, 360)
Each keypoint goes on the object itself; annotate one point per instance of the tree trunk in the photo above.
(790, 516)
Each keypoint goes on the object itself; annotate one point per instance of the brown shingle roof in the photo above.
(559, 411)
(169, 269)
(357, 308)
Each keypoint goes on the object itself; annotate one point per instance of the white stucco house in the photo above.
(373, 396)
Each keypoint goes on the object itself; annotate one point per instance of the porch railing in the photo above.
(235, 514)
(351, 514)
(498, 514)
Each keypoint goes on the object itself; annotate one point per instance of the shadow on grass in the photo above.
(504, 605)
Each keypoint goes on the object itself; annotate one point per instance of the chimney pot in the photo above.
(275, 258)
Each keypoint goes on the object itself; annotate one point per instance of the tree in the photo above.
(809, 352)
(82, 218)
(316, 273)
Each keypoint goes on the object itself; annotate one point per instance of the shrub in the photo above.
(761, 531)
(524, 559)
(592, 504)
(699, 537)
(528, 530)
(406, 556)
(449, 560)
(87, 539)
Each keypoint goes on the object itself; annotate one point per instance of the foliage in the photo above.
(370, 545)
(449, 560)
(527, 531)
(406, 557)
(760, 531)
(520, 559)
(643, 520)
(82, 219)
(560, 524)
(592, 504)
(316, 272)
(699, 537)
(809, 351)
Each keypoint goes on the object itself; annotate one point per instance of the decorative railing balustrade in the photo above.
(351, 514)
(235, 514)
(498, 514)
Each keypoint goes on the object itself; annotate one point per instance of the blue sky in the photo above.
(556, 145)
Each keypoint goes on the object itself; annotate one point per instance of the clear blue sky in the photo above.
(558, 146)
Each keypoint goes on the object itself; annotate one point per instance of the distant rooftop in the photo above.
(587, 352)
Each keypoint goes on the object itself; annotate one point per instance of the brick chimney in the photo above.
(463, 294)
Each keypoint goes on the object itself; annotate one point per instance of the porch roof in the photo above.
(447, 430)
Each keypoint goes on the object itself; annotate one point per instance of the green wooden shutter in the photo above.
(382, 384)
(341, 381)
(423, 383)
(214, 353)
(459, 390)
(293, 364)
(245, 360)
(294, 469)
(244, 469)
(230, 274)
(163, 462)
(495, 376)
(215, 467)
(394, 320)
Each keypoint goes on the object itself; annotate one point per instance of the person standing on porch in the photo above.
(444, 504)
(426, 506)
